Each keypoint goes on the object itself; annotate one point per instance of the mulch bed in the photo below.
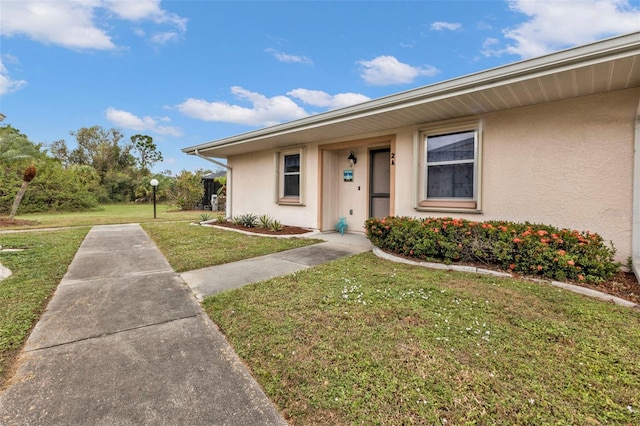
(286, 230)
(623, 285)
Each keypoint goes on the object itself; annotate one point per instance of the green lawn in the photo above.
(39, 268)
(366, 341)
(108, 214)
(36, 273)
(188, 247)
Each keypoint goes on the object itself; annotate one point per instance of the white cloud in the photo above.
(322, 99)
(484, 25)
(66, 23)
(8, 84)
(149, 10)
(73, 24)
(163, 38)
(556, 25)
(146, 124)
(263, 111)
(285, 57)
(439, 26)
(491, 47)
(408, 44)
(386, 70)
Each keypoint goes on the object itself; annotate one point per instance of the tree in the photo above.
(188, 190)
(57, 188)
(103, 150)
(147, 151)
(60, 151)
(16, 147)
(27, 177)
(96, 147)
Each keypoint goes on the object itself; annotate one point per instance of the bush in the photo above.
(524, 248)
(275, 226)
(246, 220)
(53, 189)
(187, 191)
(265, 221)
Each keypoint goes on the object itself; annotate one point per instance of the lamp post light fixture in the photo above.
(154, 183)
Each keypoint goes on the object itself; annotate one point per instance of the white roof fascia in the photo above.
(602, 51)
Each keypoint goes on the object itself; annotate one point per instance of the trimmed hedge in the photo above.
(523, 248)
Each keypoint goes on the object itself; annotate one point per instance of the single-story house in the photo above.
(553, 140)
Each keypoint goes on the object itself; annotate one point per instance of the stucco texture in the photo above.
(568, 164)
(254, 188)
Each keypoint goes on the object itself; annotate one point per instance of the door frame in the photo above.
(325, 170)
(371, 195)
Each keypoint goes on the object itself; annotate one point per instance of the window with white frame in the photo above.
(290, 177)
(450, 174)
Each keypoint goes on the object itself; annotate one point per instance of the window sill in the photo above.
(290, 202)
(449, 206)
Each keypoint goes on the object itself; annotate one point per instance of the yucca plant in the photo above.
(247, 220)
(265, 221)
(275, 226)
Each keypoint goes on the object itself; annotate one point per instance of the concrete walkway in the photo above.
(214, 279)
(124, 342)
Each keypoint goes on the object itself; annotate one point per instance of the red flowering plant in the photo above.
(524, 248)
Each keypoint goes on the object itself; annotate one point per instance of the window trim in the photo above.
(280, 174)
(461, 205)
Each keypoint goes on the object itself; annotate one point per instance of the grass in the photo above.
(108, 214)
(36, 273)
(189, 247)
(38, 269)
(365, 341)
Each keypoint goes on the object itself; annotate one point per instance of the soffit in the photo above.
(468, 96)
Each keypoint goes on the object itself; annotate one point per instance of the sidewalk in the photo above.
(124, 342)
(207, 281)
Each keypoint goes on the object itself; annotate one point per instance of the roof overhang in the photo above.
(604, 66)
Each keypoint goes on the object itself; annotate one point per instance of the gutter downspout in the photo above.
(227, 205)
(635, 222)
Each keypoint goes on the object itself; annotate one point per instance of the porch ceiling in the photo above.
(605, 66)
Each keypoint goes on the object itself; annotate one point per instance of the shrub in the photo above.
(265, 221)
(205, 217)
(524, 248)
(187, 191)
(275, 226)
(247, 220)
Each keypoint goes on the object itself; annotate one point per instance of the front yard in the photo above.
(365, 340)
(362, 340)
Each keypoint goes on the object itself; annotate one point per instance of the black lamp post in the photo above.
(154, 183)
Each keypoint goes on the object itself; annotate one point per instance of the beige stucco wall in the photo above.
(254, 187)
(568, 164)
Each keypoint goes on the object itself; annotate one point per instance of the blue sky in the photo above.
(187, 72)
